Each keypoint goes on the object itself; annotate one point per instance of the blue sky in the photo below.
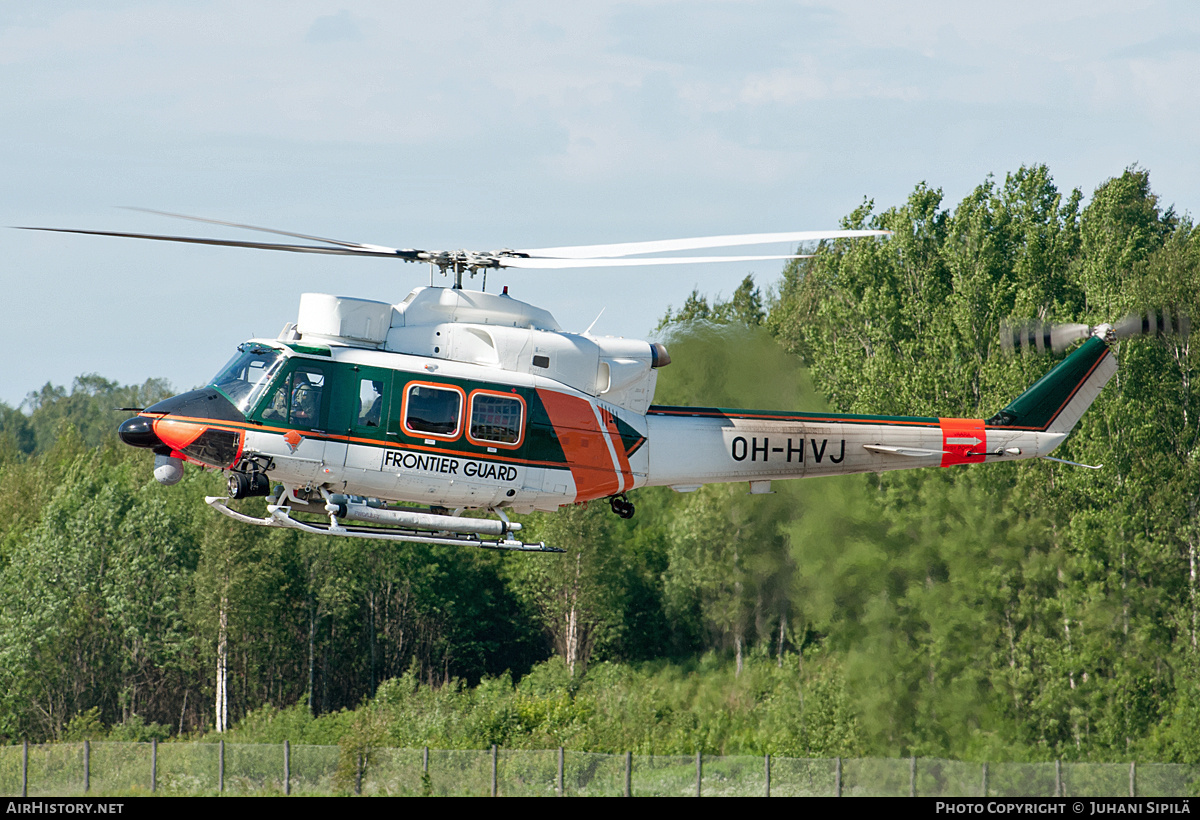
(520, 124)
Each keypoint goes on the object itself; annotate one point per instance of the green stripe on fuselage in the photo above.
(790, 415)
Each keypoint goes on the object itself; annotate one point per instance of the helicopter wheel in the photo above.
(622, 506)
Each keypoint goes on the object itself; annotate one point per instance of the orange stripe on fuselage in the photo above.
(583, 443)
(259, 427)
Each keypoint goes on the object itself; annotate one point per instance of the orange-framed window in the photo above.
(497, 419)
(433, 410)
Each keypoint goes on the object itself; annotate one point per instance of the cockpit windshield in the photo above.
(248, 373)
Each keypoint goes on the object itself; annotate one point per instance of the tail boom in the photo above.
(692, 446)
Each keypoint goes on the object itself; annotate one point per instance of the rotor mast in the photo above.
(456, 263)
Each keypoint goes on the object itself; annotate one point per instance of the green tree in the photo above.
(577, 596)
(90, 407)
(91, 602)
(1023, 609)
(745, 307)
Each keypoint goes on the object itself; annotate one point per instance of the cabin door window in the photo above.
(433, 410)
(496, 419)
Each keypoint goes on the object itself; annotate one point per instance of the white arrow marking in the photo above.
(961, 440)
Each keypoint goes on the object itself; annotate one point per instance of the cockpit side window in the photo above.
(308, 389)
(298, 398)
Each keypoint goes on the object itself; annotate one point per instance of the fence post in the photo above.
(87, 765)
(494, 770)
(912, 776)
(767, 763)
(221, 765)
(561, 790)
(153, 765)
(1058, 784)
(837, 777)
(629, 774)
(1133, 778)
(24, 768)
(287, 767)
(985, 774)
(699, 772)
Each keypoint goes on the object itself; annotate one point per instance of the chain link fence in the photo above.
(103, 768)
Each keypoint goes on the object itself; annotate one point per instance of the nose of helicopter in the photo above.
(194, 425)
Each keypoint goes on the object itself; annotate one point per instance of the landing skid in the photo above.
(280, 516)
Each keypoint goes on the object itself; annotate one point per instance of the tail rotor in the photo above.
(1041, 336)
(1044, 336)
(1153, 323)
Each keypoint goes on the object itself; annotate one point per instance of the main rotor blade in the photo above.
(365, 250)
(554, 264)
(340, 242)
(695, 243)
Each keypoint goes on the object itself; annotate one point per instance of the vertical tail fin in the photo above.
(1055, 402)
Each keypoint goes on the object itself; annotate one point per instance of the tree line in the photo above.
(1008, 611)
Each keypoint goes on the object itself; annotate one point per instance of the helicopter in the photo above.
(392, 421)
